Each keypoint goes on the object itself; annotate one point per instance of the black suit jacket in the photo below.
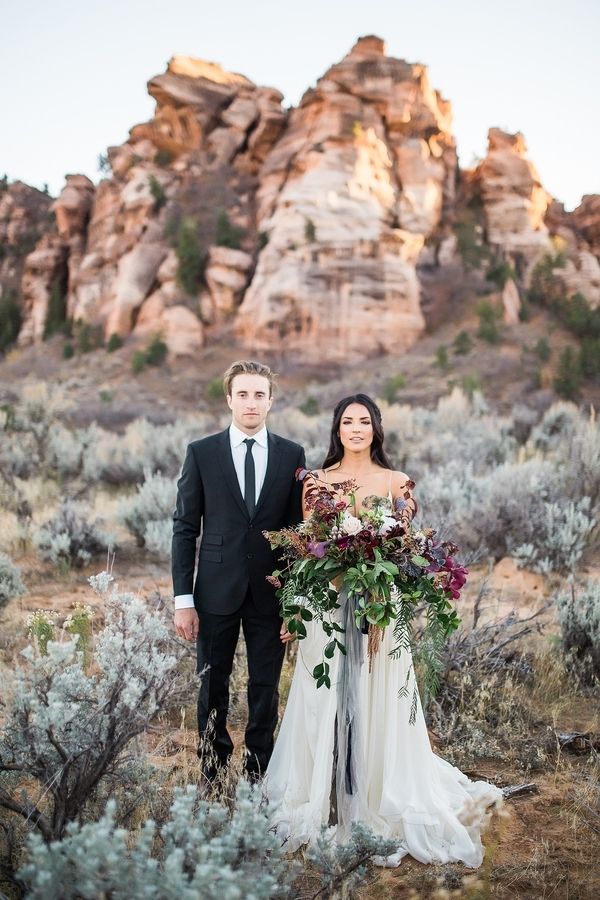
(233, 552)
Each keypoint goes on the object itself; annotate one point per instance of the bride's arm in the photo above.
(402, 487)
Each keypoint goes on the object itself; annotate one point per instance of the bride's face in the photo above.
(356, 428)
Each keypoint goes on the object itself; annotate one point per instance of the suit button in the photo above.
(249, 556)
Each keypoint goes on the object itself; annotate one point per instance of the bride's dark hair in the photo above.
(336, 448)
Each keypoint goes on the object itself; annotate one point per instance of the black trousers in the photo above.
(217, 641)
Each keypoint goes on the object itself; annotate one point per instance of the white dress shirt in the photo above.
(260, 453)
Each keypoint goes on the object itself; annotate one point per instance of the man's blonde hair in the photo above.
(247, 367)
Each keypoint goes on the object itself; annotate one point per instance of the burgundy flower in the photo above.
(300, 473)
(274, 581)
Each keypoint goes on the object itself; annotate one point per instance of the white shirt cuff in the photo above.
(184, 601)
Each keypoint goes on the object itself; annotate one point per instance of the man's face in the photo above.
(249, 402)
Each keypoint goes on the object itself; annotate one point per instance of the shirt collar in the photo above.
(237, 437)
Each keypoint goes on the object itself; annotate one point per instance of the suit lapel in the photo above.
(231, 480)
(274, 458)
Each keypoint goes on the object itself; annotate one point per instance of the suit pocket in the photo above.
(213, 539)
(214, 556)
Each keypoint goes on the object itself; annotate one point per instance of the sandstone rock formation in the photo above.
(514, 200)
(348, 196)
(329, 230)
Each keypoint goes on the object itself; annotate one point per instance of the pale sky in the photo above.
(73, 74)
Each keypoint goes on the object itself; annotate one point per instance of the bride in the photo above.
(396, 784)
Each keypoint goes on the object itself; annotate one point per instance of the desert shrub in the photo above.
(150, 510)
(589, 357)
(214, 389)
(489, 316)
(228, 235)
(561, 537)
(470, 247)
(558, 424)
(545, 286)
(158, 193)
(87, 337)
(69, 538)
(310, 231)
(104, 164)
(10, 318)
(138, 361)
(57, 310)
(392, 387)
(578, 316)
(441, 357)
(567, 381)
(115, 342)
(499, 272)
(11, 584)
(310, 407)
(203, 851)
(463, 343)
(68, 351)
(191, 257)
(263, 239)
(156, 351)
(579, 617)
(65, 450)
(471, 383)
(123, 459)
(65, 730)
(542, 349)
(26, 426)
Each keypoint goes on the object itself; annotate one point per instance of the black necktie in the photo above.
(249, 477)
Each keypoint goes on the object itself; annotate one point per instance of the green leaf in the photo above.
(306, 614)
(419, 560)
(330, 649)
(318, 671)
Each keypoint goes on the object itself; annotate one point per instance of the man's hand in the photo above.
(285, 635)
(187, 624)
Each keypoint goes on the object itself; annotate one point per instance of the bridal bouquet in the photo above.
(389, 570)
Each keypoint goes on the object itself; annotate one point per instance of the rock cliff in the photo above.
(333, 229)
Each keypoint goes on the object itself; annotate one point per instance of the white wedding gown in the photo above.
(404, 791)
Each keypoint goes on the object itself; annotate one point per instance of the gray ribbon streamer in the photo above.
(349, 775)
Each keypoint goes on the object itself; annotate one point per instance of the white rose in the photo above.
(388, 523)
(350, 524)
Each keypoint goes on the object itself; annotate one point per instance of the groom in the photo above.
(234, 485)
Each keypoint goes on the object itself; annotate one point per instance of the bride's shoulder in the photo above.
(401, 480)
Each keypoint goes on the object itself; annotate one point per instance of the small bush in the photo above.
(441, 357)
(227, 234)
(263, 239)
(104, 166)
(68, 351)
(470, 384)
(567, 381)
(10, 319)
(115, 342)
(542, 349)
(579, 617)
(156, 351)
(489, 316)
(158, 193)
(310, 231)
(589, 357)
(138, 361)
(147, 511)
(191, 257)
(87, 337)
(11, 584)
(392, 387)
(163, 157)
(56, 316)
(499, 272)
(463, 343)
(214, 389)
(310, 407)
(472, 252)
(69, 538)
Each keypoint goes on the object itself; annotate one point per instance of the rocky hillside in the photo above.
(341, 228)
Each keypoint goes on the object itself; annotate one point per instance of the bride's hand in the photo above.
(285, 635)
